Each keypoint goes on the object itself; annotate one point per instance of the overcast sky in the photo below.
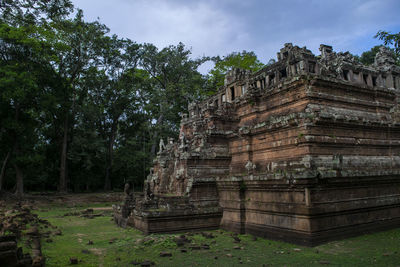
(218, 27)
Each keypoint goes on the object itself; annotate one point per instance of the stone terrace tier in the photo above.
(305, 150)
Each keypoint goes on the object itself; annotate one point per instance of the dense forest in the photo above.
(82, 109)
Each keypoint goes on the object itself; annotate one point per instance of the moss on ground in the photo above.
(113, 246)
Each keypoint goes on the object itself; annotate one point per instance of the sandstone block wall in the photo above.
(305, 150)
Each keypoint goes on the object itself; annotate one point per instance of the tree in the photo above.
(76, 44)
(392, 41)
(3, 169)
(33, 12)
(24, 77)
(113, 87)
(368, 57)
(133, 157)
(175, 83)
(243, 60)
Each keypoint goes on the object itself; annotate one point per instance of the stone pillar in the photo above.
(307, 196)
(369, 80)
(389, 81)
(379, 80)
(292, 70)
(397, 79)
(351, 76)
(357, 78)
(303, 67)
(317, 69)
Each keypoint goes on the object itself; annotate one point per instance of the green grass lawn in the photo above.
(114, 246)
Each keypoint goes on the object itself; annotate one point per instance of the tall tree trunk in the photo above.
(87, 186)
(19, 178)
(107, 180)
(3, 170)
(19, 185)
(62, 186)
(155, 137)
(63, 182)
(19, 192)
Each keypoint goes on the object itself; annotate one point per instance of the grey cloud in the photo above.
(214, 27)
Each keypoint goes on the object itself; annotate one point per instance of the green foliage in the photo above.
(368, 57)
(243, 60)
(24, 77)
(174, 83)
(391, 40)
(30, 12)
(81, 108)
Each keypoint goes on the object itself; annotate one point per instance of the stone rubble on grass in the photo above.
(165, 254)
(15, 220)
(73, 261)
(11, 255)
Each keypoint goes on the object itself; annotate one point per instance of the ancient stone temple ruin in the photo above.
(305, 150)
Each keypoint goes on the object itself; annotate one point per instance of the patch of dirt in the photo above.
(80, 236)
(98, 252)
(77, 222)
(336, 249)
(88, 213)
(103, 208)
(64, 199)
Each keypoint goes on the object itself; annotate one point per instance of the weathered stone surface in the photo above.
(305, 150)
(123, 212)
(10, 254)
(8, 245)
